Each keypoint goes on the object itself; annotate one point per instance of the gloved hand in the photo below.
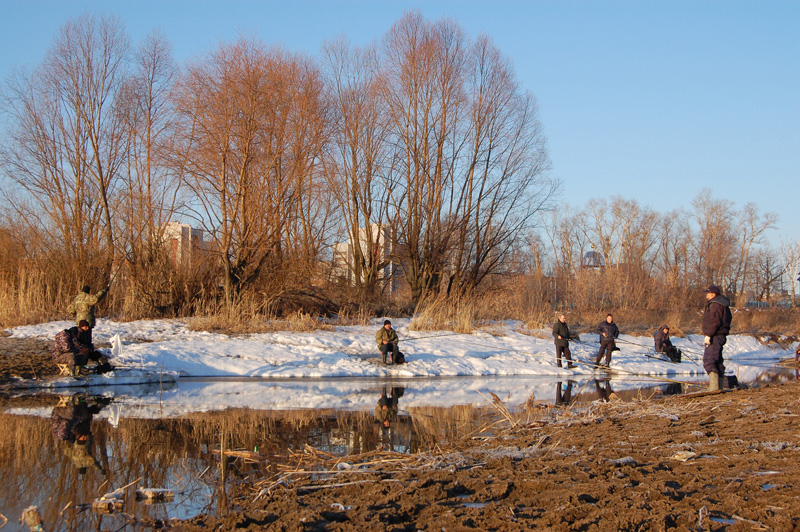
(707, 340)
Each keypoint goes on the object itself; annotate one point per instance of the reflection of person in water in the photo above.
(71, 422)
(563, 397)
(386, 409)
(604, 390)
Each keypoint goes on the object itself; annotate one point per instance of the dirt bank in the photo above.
(26, 358)
(721, 462)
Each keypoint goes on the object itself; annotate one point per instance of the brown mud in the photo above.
(719, 462)
(25, 358)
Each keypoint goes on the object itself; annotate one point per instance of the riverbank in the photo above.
(719, 462)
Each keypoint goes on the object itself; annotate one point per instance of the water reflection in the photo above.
(71, 423)
(66, 452)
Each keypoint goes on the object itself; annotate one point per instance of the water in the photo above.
(67, 451)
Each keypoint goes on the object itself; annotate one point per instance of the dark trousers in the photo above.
(387, 348)
(563, 396)
(712, 356)
(565, 350)
(606, 346)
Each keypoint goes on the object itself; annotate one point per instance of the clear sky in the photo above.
(651, 100)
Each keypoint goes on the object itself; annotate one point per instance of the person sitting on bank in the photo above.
(608, 332)
(83, 307)
(68, 349)
(387, 342)
(664, 345)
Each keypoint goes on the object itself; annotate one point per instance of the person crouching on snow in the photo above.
(387, 342)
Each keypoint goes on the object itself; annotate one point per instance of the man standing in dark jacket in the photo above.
(561, 337)
(608, 332)
(716, 325)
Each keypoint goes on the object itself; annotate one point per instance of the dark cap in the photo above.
(83, 323)
(712, 289)
(86, 289)
(387, 322)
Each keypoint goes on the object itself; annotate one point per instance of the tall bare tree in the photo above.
(68, 144)
(468, 154)
(252, 126)
(354, 161)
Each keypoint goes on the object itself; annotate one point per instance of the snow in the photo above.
(339, 368)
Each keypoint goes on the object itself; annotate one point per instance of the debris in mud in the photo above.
(612, 466)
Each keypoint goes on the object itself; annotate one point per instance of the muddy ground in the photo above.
(26, 358)
(721, 462)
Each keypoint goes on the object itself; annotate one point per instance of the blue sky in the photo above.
(651, 100)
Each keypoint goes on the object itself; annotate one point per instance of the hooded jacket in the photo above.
(717, 317)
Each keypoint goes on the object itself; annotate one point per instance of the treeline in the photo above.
(276, 156)
(616, 254)
(425, 135)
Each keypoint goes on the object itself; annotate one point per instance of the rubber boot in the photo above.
(384, 358)
(713, 382)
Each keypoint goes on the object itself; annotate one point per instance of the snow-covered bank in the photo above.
(351, 352)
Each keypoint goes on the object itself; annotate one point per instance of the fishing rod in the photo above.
(411, 339)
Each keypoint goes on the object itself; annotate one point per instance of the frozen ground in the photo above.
(339, 369)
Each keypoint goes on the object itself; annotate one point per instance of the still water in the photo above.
(63, 453)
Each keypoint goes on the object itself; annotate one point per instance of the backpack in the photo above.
(399, 359)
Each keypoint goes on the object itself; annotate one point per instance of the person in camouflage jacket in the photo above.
(84, 303)
(83, 308)
(68, 350)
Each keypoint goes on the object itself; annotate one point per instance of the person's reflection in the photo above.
(564, 396)
(604, 390)
(386, 409)
(71, 423)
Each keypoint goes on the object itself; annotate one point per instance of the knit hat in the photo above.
(83, 323)
(86, 289)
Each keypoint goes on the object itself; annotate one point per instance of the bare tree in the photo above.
(355, 158)
(714, 243)
(252, 136)
(751, 226)
(67, 144)
(790, 253)
(468, 154)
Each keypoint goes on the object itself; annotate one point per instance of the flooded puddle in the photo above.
(198, 440)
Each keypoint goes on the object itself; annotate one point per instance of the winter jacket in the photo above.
(717, 317)
(610, 329)
(662, 340)
(562, 330)
(83, 306)
(67, 350)
(387, 336)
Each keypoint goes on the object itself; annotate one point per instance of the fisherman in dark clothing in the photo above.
(69, 348)
(716, 325)
(562, 337)
(608, 332)
(664, 345)
(564, 397)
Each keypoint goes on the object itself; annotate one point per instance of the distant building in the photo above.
(185, 244)
(344, 256)
(593, 260)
